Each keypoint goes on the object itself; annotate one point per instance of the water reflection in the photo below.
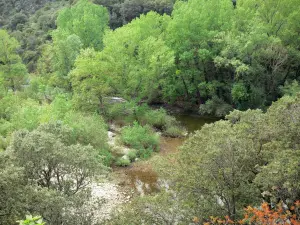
(144, 181)
(194, 122)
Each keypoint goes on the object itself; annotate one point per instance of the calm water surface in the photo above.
(194, 122)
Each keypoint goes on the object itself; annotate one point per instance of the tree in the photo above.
(86, 20)
(124, 11)
(89, 82)
(13, 191)
(52, 177)
(217, 167)
(80, 26)
(12, 70)
(191, 34)
(279, 177)
(136, 59)
(52, 160)
(65, 52)
(256, 45)
(250, 157)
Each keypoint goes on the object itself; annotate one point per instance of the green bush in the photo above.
(173, 131)
(127, 113)
(145, 153)
(107, 157)
(140, 137)
(119, 112)
(27, 115)
(172, 127)
(9, 105)
(215, 107)
(123, 161)
(132, 155)
(88, 129)
(155, 118)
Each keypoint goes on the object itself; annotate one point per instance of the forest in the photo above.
(96, 95)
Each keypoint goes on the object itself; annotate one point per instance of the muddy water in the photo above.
(194, 122)
(141, 177)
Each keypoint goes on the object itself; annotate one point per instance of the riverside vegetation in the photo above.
(62, 63)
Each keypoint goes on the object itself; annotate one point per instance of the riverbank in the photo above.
(140, 178)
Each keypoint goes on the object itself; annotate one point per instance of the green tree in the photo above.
(136, 57)
(217, 164)
(90, 82)
(191, 33)
(86, 20)
(51, 159)
(65, 52)
(13, 190)
(80, 26)
(52, 177)
(25, 197)
(255, 51)
(279, 177)
(12, 71)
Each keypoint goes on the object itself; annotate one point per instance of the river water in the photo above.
(141, 177)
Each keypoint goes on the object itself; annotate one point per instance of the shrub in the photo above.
(132, 154)
(162, 121)
(139, 137)
(107, 157)
(264, 215)
(145, 153)
(172, 127)
(27, 115)
(127, 113)
(119, 112)
(123, 161)
(155, 118)
(88, 129)
(215, 107)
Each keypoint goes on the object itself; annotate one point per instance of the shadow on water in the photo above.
(194, 122)
(141, 177)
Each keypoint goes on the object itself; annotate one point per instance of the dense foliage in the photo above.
(191, 58)
(207, 54)
(242, 161)
(140, 138)
(61, 63)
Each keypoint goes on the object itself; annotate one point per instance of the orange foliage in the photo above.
(264, 216)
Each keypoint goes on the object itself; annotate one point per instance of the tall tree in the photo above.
(12, 71)
(86, 20)
(89, 81)
(136, 57)
(191, 33)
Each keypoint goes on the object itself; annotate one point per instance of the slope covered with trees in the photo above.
(206, 54)
(63, 63)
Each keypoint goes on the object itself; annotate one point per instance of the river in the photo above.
(140, 176)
